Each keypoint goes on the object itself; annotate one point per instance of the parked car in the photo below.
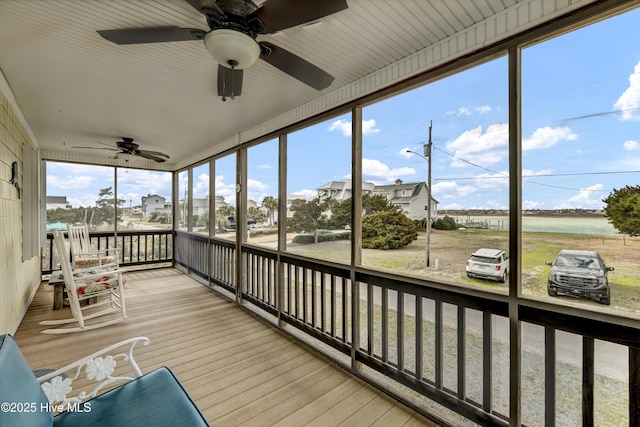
(581, 274)
(492, 264)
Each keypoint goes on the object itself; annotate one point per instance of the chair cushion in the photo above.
(20, 390)
(155, 399)
(94, 262)
(88, 286)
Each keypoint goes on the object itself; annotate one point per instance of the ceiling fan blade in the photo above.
(229, 82)
(146, 155)
(277, 15)
(153, 153)
(152, 35)
(97, 148)
(203, 6)
(297, 67)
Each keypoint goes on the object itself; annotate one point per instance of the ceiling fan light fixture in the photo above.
(232, 47)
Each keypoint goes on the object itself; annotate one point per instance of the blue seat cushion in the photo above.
(155, 399)
(19, 388)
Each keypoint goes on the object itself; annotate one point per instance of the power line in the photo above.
(501, 175)
(544, 175)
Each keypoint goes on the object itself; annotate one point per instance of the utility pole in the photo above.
(427, 154)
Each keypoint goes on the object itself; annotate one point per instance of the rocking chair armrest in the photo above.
(131, 342)
(98, 369)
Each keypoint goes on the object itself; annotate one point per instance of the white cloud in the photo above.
(257, 190)
(63, 183)
(265, 166)
(495, 204)
(547, 137)
(405, 153)
(590, 197)
(372, 169)
(493, 180)
(481, 148)
(483, 109)
(531, 204)
(629, 102)
(307, 194)
(450, 206)
(201, 186)
(631, 145)
(368, 127)
(450, 190)
(228, 191)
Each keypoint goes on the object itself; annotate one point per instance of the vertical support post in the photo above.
(515, 231)
(356, 229)
(212, 219)
(439, 350)
(549, 376)
(634, 386)
(419, 338)
(427, 154)
(462, 353)
(241, 220)
(588, 377)
(487, 340)
(282, 223)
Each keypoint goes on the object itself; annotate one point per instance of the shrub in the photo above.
(446, 223)
(387, 230)
(323, 236)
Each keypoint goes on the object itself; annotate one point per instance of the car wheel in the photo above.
(503, 279)
(606, 300)
(551, 292)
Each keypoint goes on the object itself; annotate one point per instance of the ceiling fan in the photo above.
(127, 146)
(234, 26)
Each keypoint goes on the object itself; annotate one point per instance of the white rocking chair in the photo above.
(82, 253)
(83, 284)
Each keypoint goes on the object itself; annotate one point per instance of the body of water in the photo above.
(576, 225)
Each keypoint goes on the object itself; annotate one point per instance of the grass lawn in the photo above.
(449, 250)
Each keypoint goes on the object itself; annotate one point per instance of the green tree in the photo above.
(222, 215)
(270, 203)
(341, 211)
(307, 216)
(65, 216)
(104, 212)
(372, 203)
(387, 230)
(623, 209)
(256, 214)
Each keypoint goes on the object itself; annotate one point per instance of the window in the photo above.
(81, 193)
(578, 152)
(183, 201)
(147, 199)
(467, 166)
(579, 144)
(225, 197)
(200, 200)
(262, 203)
(319, 163)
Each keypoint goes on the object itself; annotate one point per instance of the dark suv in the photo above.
(580, 273)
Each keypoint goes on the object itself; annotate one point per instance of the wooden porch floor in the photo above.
(238, 369)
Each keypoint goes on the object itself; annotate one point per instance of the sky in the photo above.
(580, 136)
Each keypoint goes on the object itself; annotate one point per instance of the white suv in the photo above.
(492, 264)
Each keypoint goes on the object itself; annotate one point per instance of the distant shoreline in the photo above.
(537, 215)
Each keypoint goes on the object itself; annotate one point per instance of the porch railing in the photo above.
(449, 345)
(139, 247)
